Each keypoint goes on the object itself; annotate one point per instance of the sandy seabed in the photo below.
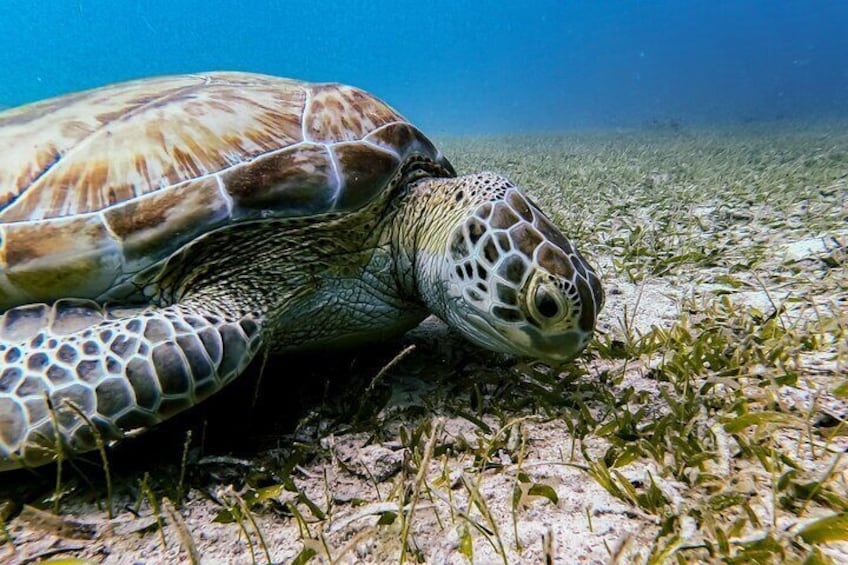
(706, 423)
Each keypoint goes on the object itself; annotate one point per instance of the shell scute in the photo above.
(365, 170)
(128, 143)
(162, 221)
(99, 187)
(343, 113)
(405, 139)
(90, 257)
(402, 135)
(298, 181)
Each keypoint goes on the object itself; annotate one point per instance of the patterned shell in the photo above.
(99, 185)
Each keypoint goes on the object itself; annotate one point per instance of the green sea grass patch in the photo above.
(705, 423)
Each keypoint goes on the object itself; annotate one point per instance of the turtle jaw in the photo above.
(524, 342)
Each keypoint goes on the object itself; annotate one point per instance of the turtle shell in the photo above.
(98, 185)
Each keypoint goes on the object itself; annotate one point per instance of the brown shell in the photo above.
(98, 185)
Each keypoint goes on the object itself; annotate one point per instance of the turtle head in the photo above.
(515, 283)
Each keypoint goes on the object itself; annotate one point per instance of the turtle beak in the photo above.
(557, 348)
(526, 341)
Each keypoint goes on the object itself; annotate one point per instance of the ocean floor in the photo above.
(706, 423)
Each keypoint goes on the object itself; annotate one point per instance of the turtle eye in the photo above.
(546, 305)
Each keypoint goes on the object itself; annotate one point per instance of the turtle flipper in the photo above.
(119, 370)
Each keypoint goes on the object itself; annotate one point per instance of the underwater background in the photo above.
(695, 151)
(458, 66)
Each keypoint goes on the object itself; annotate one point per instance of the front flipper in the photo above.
(122, 369)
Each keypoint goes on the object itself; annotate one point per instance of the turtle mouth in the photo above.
(488, 336)
(553, 349)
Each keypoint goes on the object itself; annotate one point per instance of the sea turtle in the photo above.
(157, 234)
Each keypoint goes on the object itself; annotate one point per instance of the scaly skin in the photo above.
(120, 374)
(492, 265)
(473, 250)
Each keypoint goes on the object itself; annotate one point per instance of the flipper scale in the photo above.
(118, 374)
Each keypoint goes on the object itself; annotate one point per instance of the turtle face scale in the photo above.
(516, 284)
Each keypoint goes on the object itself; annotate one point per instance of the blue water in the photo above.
(455, 66)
